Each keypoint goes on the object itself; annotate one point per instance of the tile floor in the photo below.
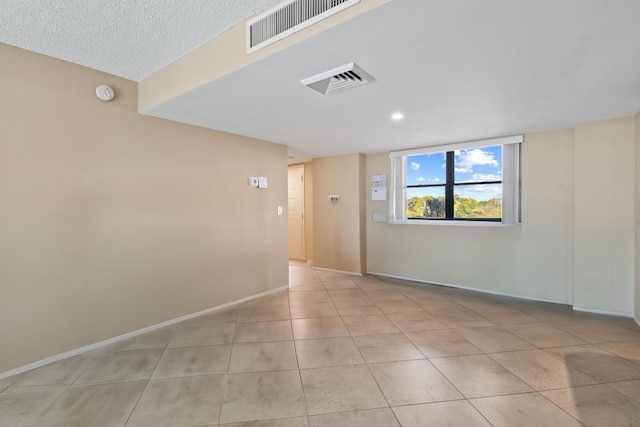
(337, 350)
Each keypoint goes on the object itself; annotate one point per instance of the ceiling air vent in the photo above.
(341, 78)
(289, 17)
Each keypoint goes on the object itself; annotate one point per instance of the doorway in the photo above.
(296, 213)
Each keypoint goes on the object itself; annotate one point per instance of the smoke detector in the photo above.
(345, 77)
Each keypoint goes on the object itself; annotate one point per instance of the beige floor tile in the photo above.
(302, 276)
(479, 376)
(597, 363)
(597, 406)
(264, 314)
(339, 284)
(346, 301)
(411, 382)
(309, 297)
(5, 383)
(631, 389)
(150, 341)
(386, 348)
(341, 389)
(440, 305)
(329, 276)
(540, 370)
(628, 349)
(203, 334)
(349, 294)
(181, 357)
(359, 308)
(226, 315)
(600, 329)
(367, 418)
(382, 295)
(462, 319)
(548, 312)
(523, 410)
(369, 281)
(325, 327)
(317, 286)
(313, 310)
(369, 325)
(180, 402)
(423, 291)
(263, 331)
(493, 339)
(326, 352)
(399, 306)
(544, 335)
(441, 414)
(481, 304)
(441, 343)
(277, 300)
(189, 361)
(105, 405)
(287, 422)
(416, 321)
(263, 396)
(63, 372)
(260, 357)
(23, 406)
(122, 366)
(508, 317)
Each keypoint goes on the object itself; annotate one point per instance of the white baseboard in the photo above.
(350, 273)
(605, 312)
(133, 334)
(466, 288)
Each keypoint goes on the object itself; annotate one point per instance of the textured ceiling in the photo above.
(127, 38)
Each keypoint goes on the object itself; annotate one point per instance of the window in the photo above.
(476, 181)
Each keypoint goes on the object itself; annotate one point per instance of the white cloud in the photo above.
(467, 159)
(487, 176)
(421, 179)
(414, 166)
(436, 179)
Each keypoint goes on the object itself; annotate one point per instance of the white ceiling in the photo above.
(459, 70)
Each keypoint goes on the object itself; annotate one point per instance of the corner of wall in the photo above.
(637, 220)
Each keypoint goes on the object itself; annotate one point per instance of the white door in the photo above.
(296, 212)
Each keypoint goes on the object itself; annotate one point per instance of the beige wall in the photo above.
(604, 205)
(530, 260)
(338, 229)
(575, 245)
(111, 221)
(308, 211)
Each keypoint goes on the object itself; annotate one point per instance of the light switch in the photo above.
(262, 182)
(253, 181)
(279, 210)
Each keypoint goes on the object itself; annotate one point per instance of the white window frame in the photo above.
(511, 187)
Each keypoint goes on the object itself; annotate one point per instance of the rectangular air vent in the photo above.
(288, 17)
(341, 78)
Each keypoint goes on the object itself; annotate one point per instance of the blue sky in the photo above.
(473, 165)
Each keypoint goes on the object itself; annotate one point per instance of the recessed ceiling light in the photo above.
(396, 117)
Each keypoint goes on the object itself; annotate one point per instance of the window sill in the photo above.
(450, 223)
